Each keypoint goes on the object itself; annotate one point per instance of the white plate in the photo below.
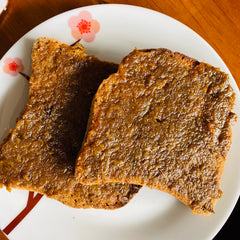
(3, 5)
(151, 214)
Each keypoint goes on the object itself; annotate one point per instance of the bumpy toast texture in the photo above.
(40, 153)
(162, 121)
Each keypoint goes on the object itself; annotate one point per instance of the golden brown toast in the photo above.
(40, 153)
(162, 121)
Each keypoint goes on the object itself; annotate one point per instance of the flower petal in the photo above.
(6, 68)
(73, 22)
(88, 37)
(8, 60)
(85, 15)
(13, 73)
(95, 25)
(18, 61)
(20, 68)
(76, 34)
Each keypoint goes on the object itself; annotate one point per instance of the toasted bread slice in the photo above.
(40, 153)
(162, 121)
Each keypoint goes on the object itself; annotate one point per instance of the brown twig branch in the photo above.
(31, 203)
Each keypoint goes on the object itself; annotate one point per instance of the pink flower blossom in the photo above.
(83, 26)
(13, 66)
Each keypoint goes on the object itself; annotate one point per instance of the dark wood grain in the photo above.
(217, 21)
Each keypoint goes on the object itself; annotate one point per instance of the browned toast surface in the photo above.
(40, 153)
(162, 121)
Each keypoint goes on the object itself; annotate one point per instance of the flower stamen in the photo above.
(13, 66)
(84, 26)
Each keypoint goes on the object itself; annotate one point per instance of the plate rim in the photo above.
(89, 7)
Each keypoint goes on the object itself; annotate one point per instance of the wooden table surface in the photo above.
(217, 21)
